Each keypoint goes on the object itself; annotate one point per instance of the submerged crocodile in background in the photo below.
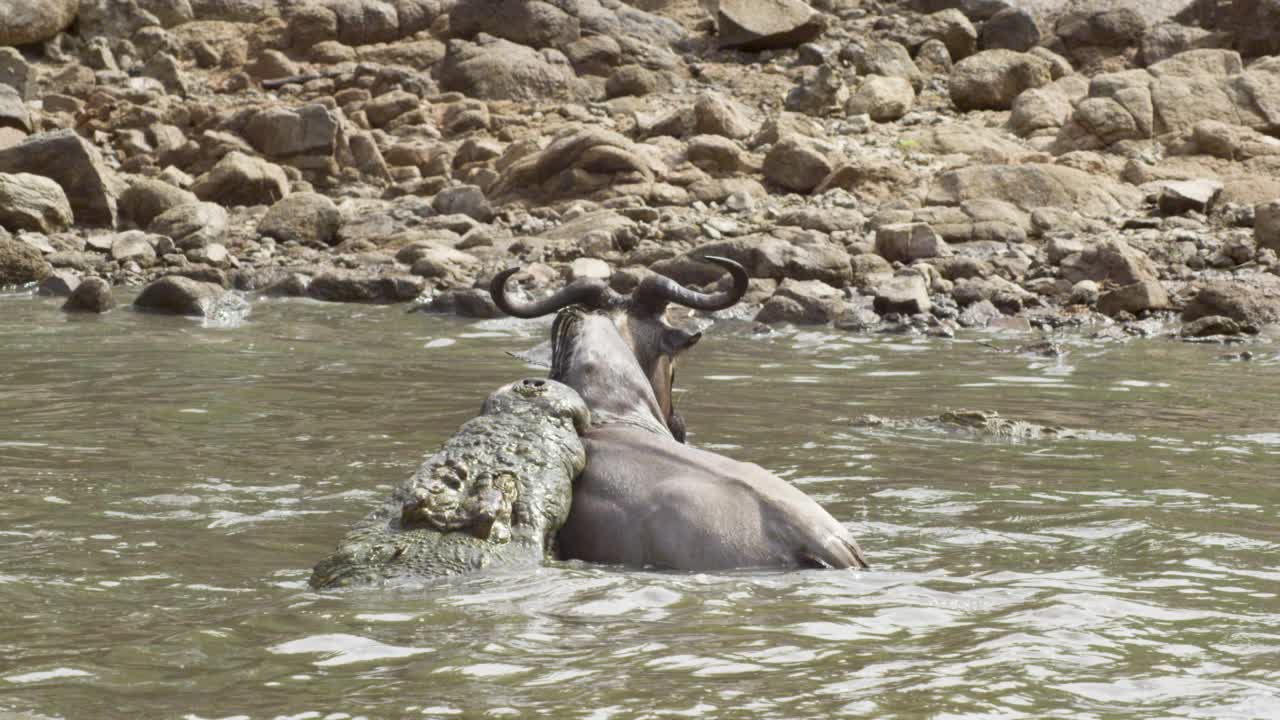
(979, 422)
(496, 494)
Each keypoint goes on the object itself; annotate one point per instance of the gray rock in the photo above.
(869, 270)
(192, 225)
(32, 202)
(716, 154)
(178, 295)
(933, 59)
(467, 200)
(1085, 292)
(1035, 185)
(18, 74)
(796, 163)
(165, 68)
(20, 263)
(885, 99)
(284, 133)
(26, 22)
(1213, 326)
(496, 69)
(1237, 301)
(1163, 41)
(59, 283)
(1266, 225)
(69, 160)
(1134, 298)
(991, 79)
(803, 302)
(1012, 28)
(882, 57)
(1047, 108)
(360, 286)
(526, 22)
(1182, 196)
(903, 294)
(91, 295)
(13, 112)
(908, 242)
(135, 246)
(754, 25)
(429, 260)
(239, 179)
(389, 106)
(304, 217)
(818, 91)
(630, 80)
(148, 198)
(800, 256)
(1109, 260)
(465, 302)
(715, 114)
(953, 29)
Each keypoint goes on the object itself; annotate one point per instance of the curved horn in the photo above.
(593, 293)
(656, 291)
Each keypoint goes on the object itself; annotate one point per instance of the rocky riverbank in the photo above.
(926, 163)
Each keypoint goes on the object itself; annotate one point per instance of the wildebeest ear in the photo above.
(539, 354)
(676, 341)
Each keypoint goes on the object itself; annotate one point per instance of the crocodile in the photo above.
(495, 495)
(979, 422)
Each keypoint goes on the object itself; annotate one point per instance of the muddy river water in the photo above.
(166, 484)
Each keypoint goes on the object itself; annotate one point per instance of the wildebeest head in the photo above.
(589, 355)
(639, 319)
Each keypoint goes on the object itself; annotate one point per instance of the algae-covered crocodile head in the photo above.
(496, 494)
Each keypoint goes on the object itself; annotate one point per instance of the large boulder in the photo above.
(907, 242)
(1237, 301)
(526, 22)
(495, 69)
(178, 295)
(360, 286)
(803, 302)
(134, 246)
(578, 162)
(240, 179)
(20, 263)
(1111, 261)
(796, 255)
(1250, 23)
(69, 160)
(904, 294)
(1012, 28)
(192, 225)
(26, 22)
(1034, 186)
(884, 99)
(797, 164)
(991, 79)
(148, 198)
(755, 25)
(874, 56)
(287, 133)
(91, 295)
(307, 218)
(32, 202)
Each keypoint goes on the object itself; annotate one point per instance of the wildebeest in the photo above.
(640, 321)
(645, 499)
